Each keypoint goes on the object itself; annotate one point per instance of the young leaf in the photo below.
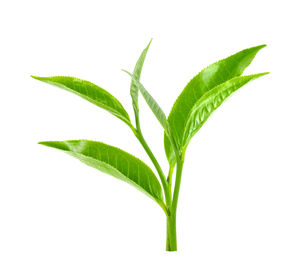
(209, 102)
(134, 90)
(206, 80)
(90, 92)
(113, 161)
(158, 112)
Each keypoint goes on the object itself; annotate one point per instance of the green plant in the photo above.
(202, 95)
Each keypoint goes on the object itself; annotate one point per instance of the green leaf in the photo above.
(113, 161)
(90, 92)
(206, 80)
(209, 102)
(134, 90)
(158, 112)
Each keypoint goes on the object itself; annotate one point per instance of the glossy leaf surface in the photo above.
(90, 92)
(206, 80)
(134, 89)
(113, 161)
(209, 102)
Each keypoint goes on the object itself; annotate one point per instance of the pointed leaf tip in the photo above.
(134, 90)
(55, 144)
(261, 74)
(45, 143)
(150, 42)
(40, 78)
(258, 47)
(126, 71)
(262, 46)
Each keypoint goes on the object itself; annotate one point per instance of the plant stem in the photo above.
(179, 167)
(171, 244)
(171, 204)
(169, 179)
(140, 137)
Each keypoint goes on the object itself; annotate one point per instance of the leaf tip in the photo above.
(38, 78)
(265, 73)
(124, 70)
(255, 76)
(256, 49)
(48, 143)
(259, 47)
(62, 145)
(262, 46)
(44, 143)
(149, 43)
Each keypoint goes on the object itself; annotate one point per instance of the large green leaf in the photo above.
(113, 161)
(134, 89)
(90, 92)
(206, 80)
(209, 102)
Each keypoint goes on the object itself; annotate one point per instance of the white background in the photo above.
(240, 195)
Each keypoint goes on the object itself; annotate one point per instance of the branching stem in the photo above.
(170, 207)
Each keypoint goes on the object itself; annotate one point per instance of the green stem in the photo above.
(140, 137)
(171, 244)
(169, 179)
(171, 219)
(171, 204)
(179, 167)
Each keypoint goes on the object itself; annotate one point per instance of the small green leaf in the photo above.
(90, 92)
(158, 112)
(113, 161)
(134, 90)
(209, 102)
(206, 80)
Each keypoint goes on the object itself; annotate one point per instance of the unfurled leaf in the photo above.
(206, 80)
(113, 161)
(134, 89)
(90, 92)
(209, 102)
(158, 112)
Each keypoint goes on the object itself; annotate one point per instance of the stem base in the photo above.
(171, 244)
